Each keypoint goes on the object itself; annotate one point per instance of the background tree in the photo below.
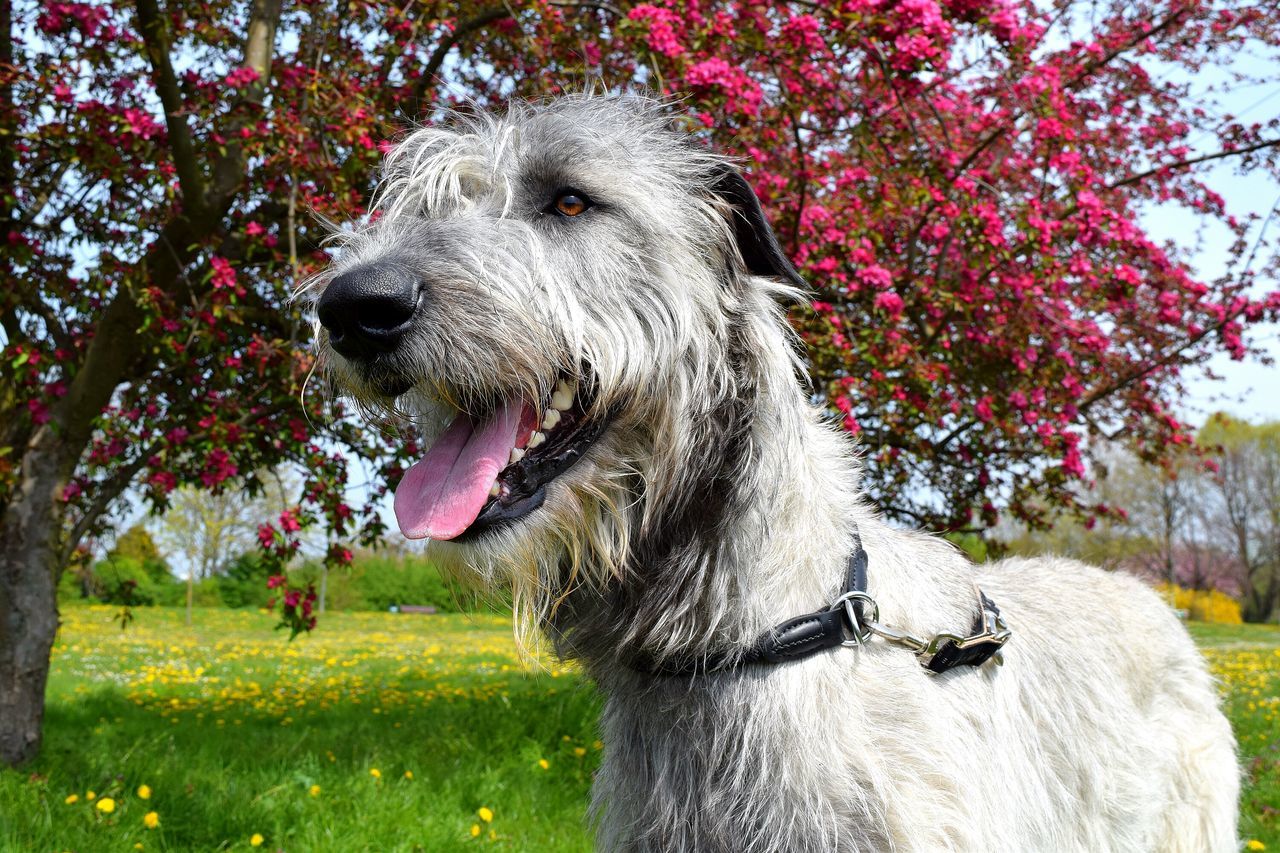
(1246, 513)
(960, 180)
(208, 529)
(1208, 519)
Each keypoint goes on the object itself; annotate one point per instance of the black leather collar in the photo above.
(845, 623)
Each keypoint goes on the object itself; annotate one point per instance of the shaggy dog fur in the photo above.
(719, 501)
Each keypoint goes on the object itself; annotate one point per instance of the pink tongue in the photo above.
(444, 491)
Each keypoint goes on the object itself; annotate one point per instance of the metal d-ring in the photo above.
(859, 632)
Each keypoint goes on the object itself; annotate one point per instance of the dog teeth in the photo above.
(517, 453)
(562, 399)
(495, 490)
(551, 420)
(535, 439)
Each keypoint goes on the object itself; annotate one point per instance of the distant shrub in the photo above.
(376, 582)
(1203, 605)
(384, 581)
(245, 582)
(124, 580)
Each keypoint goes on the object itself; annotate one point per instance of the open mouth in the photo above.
(482, 473)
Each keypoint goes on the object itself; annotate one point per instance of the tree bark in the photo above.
(28, 604)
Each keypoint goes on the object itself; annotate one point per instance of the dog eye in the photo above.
(571, 203)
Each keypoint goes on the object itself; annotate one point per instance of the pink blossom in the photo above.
(241, 76)
(890, 303)
(224, 275)
(662, 28)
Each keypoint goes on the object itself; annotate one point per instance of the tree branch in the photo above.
(1152, 366)
(8, 118)
(259, 46)
(438, 56)
(1182, 164)
(607, 8)
(155, 38)
(107, 494)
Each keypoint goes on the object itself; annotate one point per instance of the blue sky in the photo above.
(1248, 389)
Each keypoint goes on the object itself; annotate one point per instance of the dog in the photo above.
(580, 308)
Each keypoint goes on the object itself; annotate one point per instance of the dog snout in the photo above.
(368, 310)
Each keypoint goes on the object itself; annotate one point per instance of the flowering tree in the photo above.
(959, 179)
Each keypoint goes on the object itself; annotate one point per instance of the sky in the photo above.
(1249, 389)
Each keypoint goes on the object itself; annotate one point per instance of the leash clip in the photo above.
(938, 654)
(945, 651)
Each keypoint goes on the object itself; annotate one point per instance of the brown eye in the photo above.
(571, 203)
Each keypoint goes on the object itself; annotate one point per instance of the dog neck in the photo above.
(761, 528)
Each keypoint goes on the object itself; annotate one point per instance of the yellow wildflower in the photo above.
(375, 773)
(144, 792)
(314, 790)
(151, 820)
(106, 805)
(475, 830)
(89, 795)
(544, 764)
(256, 840)
(579, 751)
(137, 845)
(74, 798)
(1255, 844)
(485, 813)
(408, 774)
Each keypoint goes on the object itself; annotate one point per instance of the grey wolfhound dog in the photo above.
(579, 306)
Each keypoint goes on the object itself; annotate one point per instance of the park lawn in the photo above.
(380, 732)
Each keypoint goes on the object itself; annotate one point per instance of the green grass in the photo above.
(230, 727)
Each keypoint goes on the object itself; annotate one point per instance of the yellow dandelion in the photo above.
(73, 798)
(137, 845)
(89, 795)
(579, 751)
(151, 820)
(314, 790)
(475, 830)
(144, 792)
(106, 805)
(544, 764)
(486, 814)
(1255, 844)
(375, 773)
(256, 839)
(408, 774)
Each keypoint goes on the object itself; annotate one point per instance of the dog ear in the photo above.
(756, 241)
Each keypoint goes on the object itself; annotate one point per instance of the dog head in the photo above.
(552, 295)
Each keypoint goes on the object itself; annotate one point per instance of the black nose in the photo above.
(368, 310)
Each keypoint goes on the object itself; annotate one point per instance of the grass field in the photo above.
(378, 733)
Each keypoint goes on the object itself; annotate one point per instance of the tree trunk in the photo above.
(28, 602)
